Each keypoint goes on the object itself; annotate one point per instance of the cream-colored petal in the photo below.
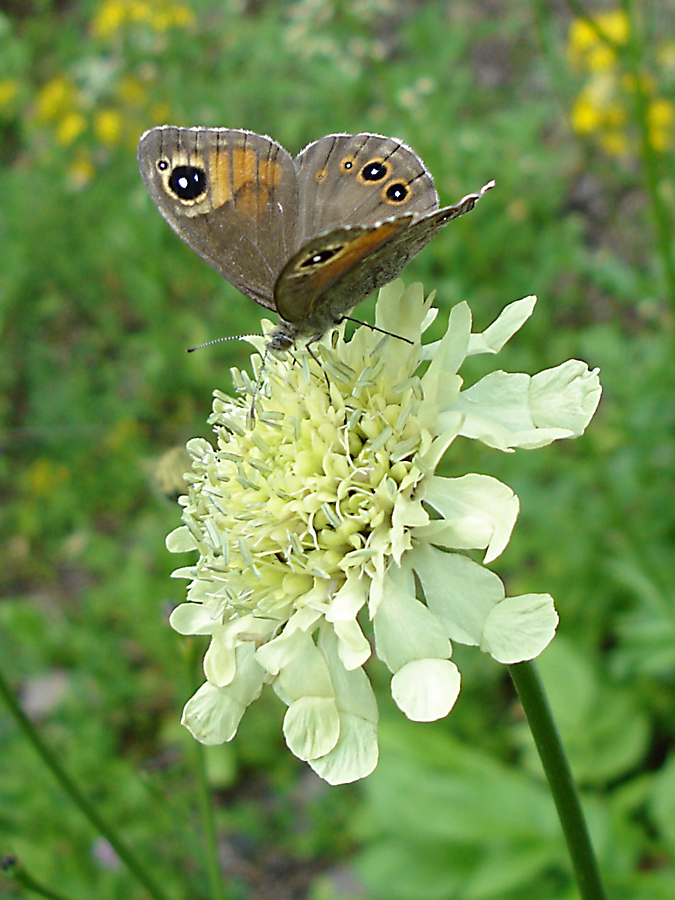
(220, 659)
(519, 628)
(405, 629)
(353, 647)
(477, 512)
(311, 727)
(426, 689)
(567, 396)
(460, 592)
(180, 540)
(355, 754)
(213, 714)
(193, 618)
(507, 323)
(497, 412)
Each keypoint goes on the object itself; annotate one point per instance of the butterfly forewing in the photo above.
(231, 195)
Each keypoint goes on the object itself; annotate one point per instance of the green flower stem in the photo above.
(207, 816)
(14, 870)
(631, 55)
(650, 158)
(45, 753)
(545, 733)
(216, 887)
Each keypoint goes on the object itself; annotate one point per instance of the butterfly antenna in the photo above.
(233, 337)
(381, 330)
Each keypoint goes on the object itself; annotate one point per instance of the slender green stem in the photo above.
(132, 862)
(631, 56)
(208, 820)
(545, 733)
(581, 13)
(650, 158)
(14, 870)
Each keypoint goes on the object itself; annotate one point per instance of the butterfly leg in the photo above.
(313, 340)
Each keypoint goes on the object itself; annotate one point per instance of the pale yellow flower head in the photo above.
(325, 536)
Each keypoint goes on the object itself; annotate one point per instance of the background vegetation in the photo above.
(98, 301)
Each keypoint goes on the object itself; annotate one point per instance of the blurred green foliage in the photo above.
(98, 301)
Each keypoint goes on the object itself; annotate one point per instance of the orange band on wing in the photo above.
(219, 177)
(238, 174)
(244, 167)
(354, 250)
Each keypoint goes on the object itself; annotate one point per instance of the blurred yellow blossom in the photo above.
(44, 475)
(57, 98)
(9, 88)
(587, 49)
(615, 143)
(607, 101)
(70, 127)
(160, 15)
(660, 121)
(108, 126)
(160, 112)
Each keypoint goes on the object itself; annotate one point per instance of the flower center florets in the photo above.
(285, 506)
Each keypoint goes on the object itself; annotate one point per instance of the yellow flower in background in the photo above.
(173, 15)
(56, 99)
(108, 126)
(70, 127)
(160, 15)
(605, 104)
(9, 88)
(160, 112)
(660, 121)
(615, 143)
(109, 19)
(585, 47)
(44, 475)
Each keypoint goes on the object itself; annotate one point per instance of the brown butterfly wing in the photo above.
(331, 274)
(231, 195)
(359, 179)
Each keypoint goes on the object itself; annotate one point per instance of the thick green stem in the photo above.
(124, 852)
(545, 733)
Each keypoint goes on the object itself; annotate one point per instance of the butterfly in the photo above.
(308, 237)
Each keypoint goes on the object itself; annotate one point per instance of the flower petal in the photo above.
(497, 411)
(193, 618)
(180, 540)
(567, 396)
(220, 665)
(311, 727)
(355, 755)
(460, 592)
(401, 309)
(213, 714)
(507, 323)
(426, 689)
(478, 512)
(519, 628)
(405, 629)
